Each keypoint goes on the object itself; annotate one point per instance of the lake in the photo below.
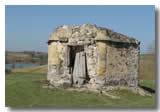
(19, 65)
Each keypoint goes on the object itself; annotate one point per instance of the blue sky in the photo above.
(29, 27)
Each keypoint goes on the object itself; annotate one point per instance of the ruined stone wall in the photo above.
(57, 61)
(92, 60)
(102, 57)
(122, 64)
(117, 63)
(56, 54)
(111, 58)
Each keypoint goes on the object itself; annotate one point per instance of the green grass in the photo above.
(23, 90)
(148, 83)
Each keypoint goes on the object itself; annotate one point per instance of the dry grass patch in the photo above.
(147, 67)
(40, 69)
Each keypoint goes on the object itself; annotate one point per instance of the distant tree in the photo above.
(33, 60)
(32, 54)
(43, 59)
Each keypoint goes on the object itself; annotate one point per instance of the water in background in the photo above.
(18, 65)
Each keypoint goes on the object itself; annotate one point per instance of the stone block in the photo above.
(53, 55)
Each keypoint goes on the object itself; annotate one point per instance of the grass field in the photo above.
(147, 67)
(23, 90)
(38, 69)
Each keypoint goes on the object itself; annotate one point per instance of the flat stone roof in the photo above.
(63, 33)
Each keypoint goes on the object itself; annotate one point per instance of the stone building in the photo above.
(87, 54)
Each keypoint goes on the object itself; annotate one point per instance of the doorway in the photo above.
(78, 65)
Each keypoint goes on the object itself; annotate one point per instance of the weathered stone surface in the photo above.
(90, 54)
(102, 35)
(67, 57)
(91, 58)
(100, 80)
(53, 56)
(102, 51)
(90, 31)
(59, 33)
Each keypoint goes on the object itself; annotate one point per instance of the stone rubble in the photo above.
(106, 91)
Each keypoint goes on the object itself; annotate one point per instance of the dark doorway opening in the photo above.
(73, 51)
(78, 64)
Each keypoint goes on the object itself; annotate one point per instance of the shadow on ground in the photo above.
(147, 89)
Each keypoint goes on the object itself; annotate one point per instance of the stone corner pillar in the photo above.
(101, 50)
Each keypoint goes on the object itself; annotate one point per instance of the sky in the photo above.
(27, 28)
